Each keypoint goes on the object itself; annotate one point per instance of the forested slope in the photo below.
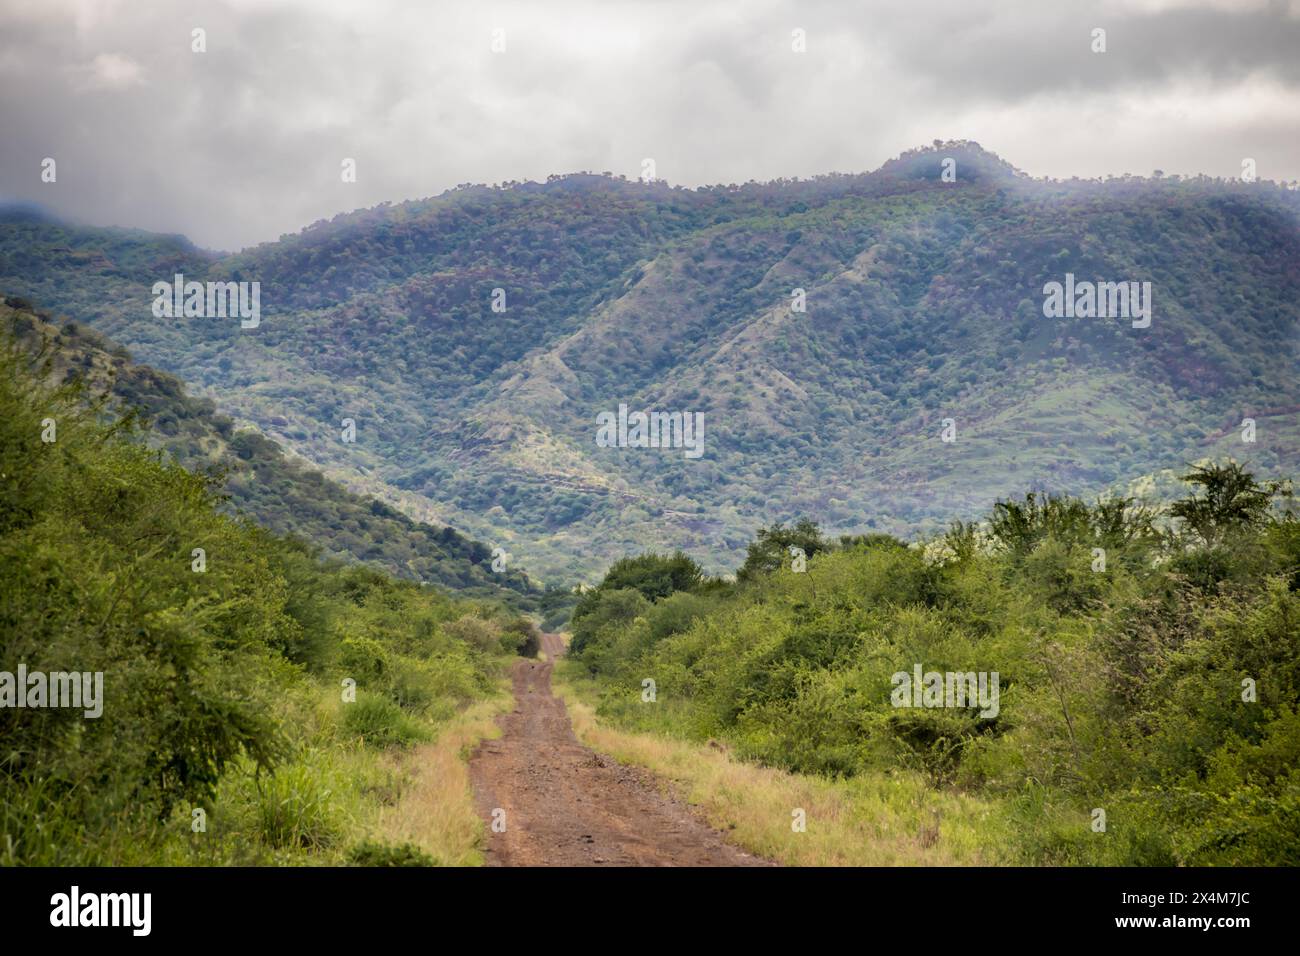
(475, 336)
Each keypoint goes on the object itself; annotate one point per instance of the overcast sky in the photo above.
(242, 143)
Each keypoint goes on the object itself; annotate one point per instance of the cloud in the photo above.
(244, 142)
(107, 71)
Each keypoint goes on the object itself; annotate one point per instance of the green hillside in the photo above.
(281, 493)
(924, 302)
(243, 701)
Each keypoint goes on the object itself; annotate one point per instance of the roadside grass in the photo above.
(876, 820)
(435, 810)
(339, 798)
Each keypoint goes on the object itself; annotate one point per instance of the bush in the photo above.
(380, 723)
(654, 576)
(606, 615)
(203, 673)
(522, 637)
(477, 632)
(364, 660)
(370, 853)
(1163, 688)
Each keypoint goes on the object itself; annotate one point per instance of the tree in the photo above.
(771, 547)
(1232, 501)
(608, 610)
(655, 576)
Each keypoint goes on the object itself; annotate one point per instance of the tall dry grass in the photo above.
(877, 820)
(435, 808)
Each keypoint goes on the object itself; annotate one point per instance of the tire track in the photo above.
(566, 805)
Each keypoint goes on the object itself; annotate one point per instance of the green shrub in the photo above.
(370, 853)
(522, 637)
(477, 632)
(380, 723)
(1163, 688)
(364, 660)
(204, 674)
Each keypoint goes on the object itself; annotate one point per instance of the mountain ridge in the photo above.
(923, 304)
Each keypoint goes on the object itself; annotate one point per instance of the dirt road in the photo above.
(566, 805)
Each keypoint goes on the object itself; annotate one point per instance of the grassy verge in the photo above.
(869, 820)
(339, 800)
(436, 809)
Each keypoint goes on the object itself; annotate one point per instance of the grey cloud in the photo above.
(1047, 49)
(243, 143)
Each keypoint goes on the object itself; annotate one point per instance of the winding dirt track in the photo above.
(566, 805)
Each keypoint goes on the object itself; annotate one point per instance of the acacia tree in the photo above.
(1232, 501)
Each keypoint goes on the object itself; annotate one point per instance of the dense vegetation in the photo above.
(1149, 667)
(923, 303)
(223, 669)
(256, 479)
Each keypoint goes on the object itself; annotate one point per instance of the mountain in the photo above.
(278, 491)
(924, 315)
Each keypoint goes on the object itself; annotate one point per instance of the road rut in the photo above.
(566, 805)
